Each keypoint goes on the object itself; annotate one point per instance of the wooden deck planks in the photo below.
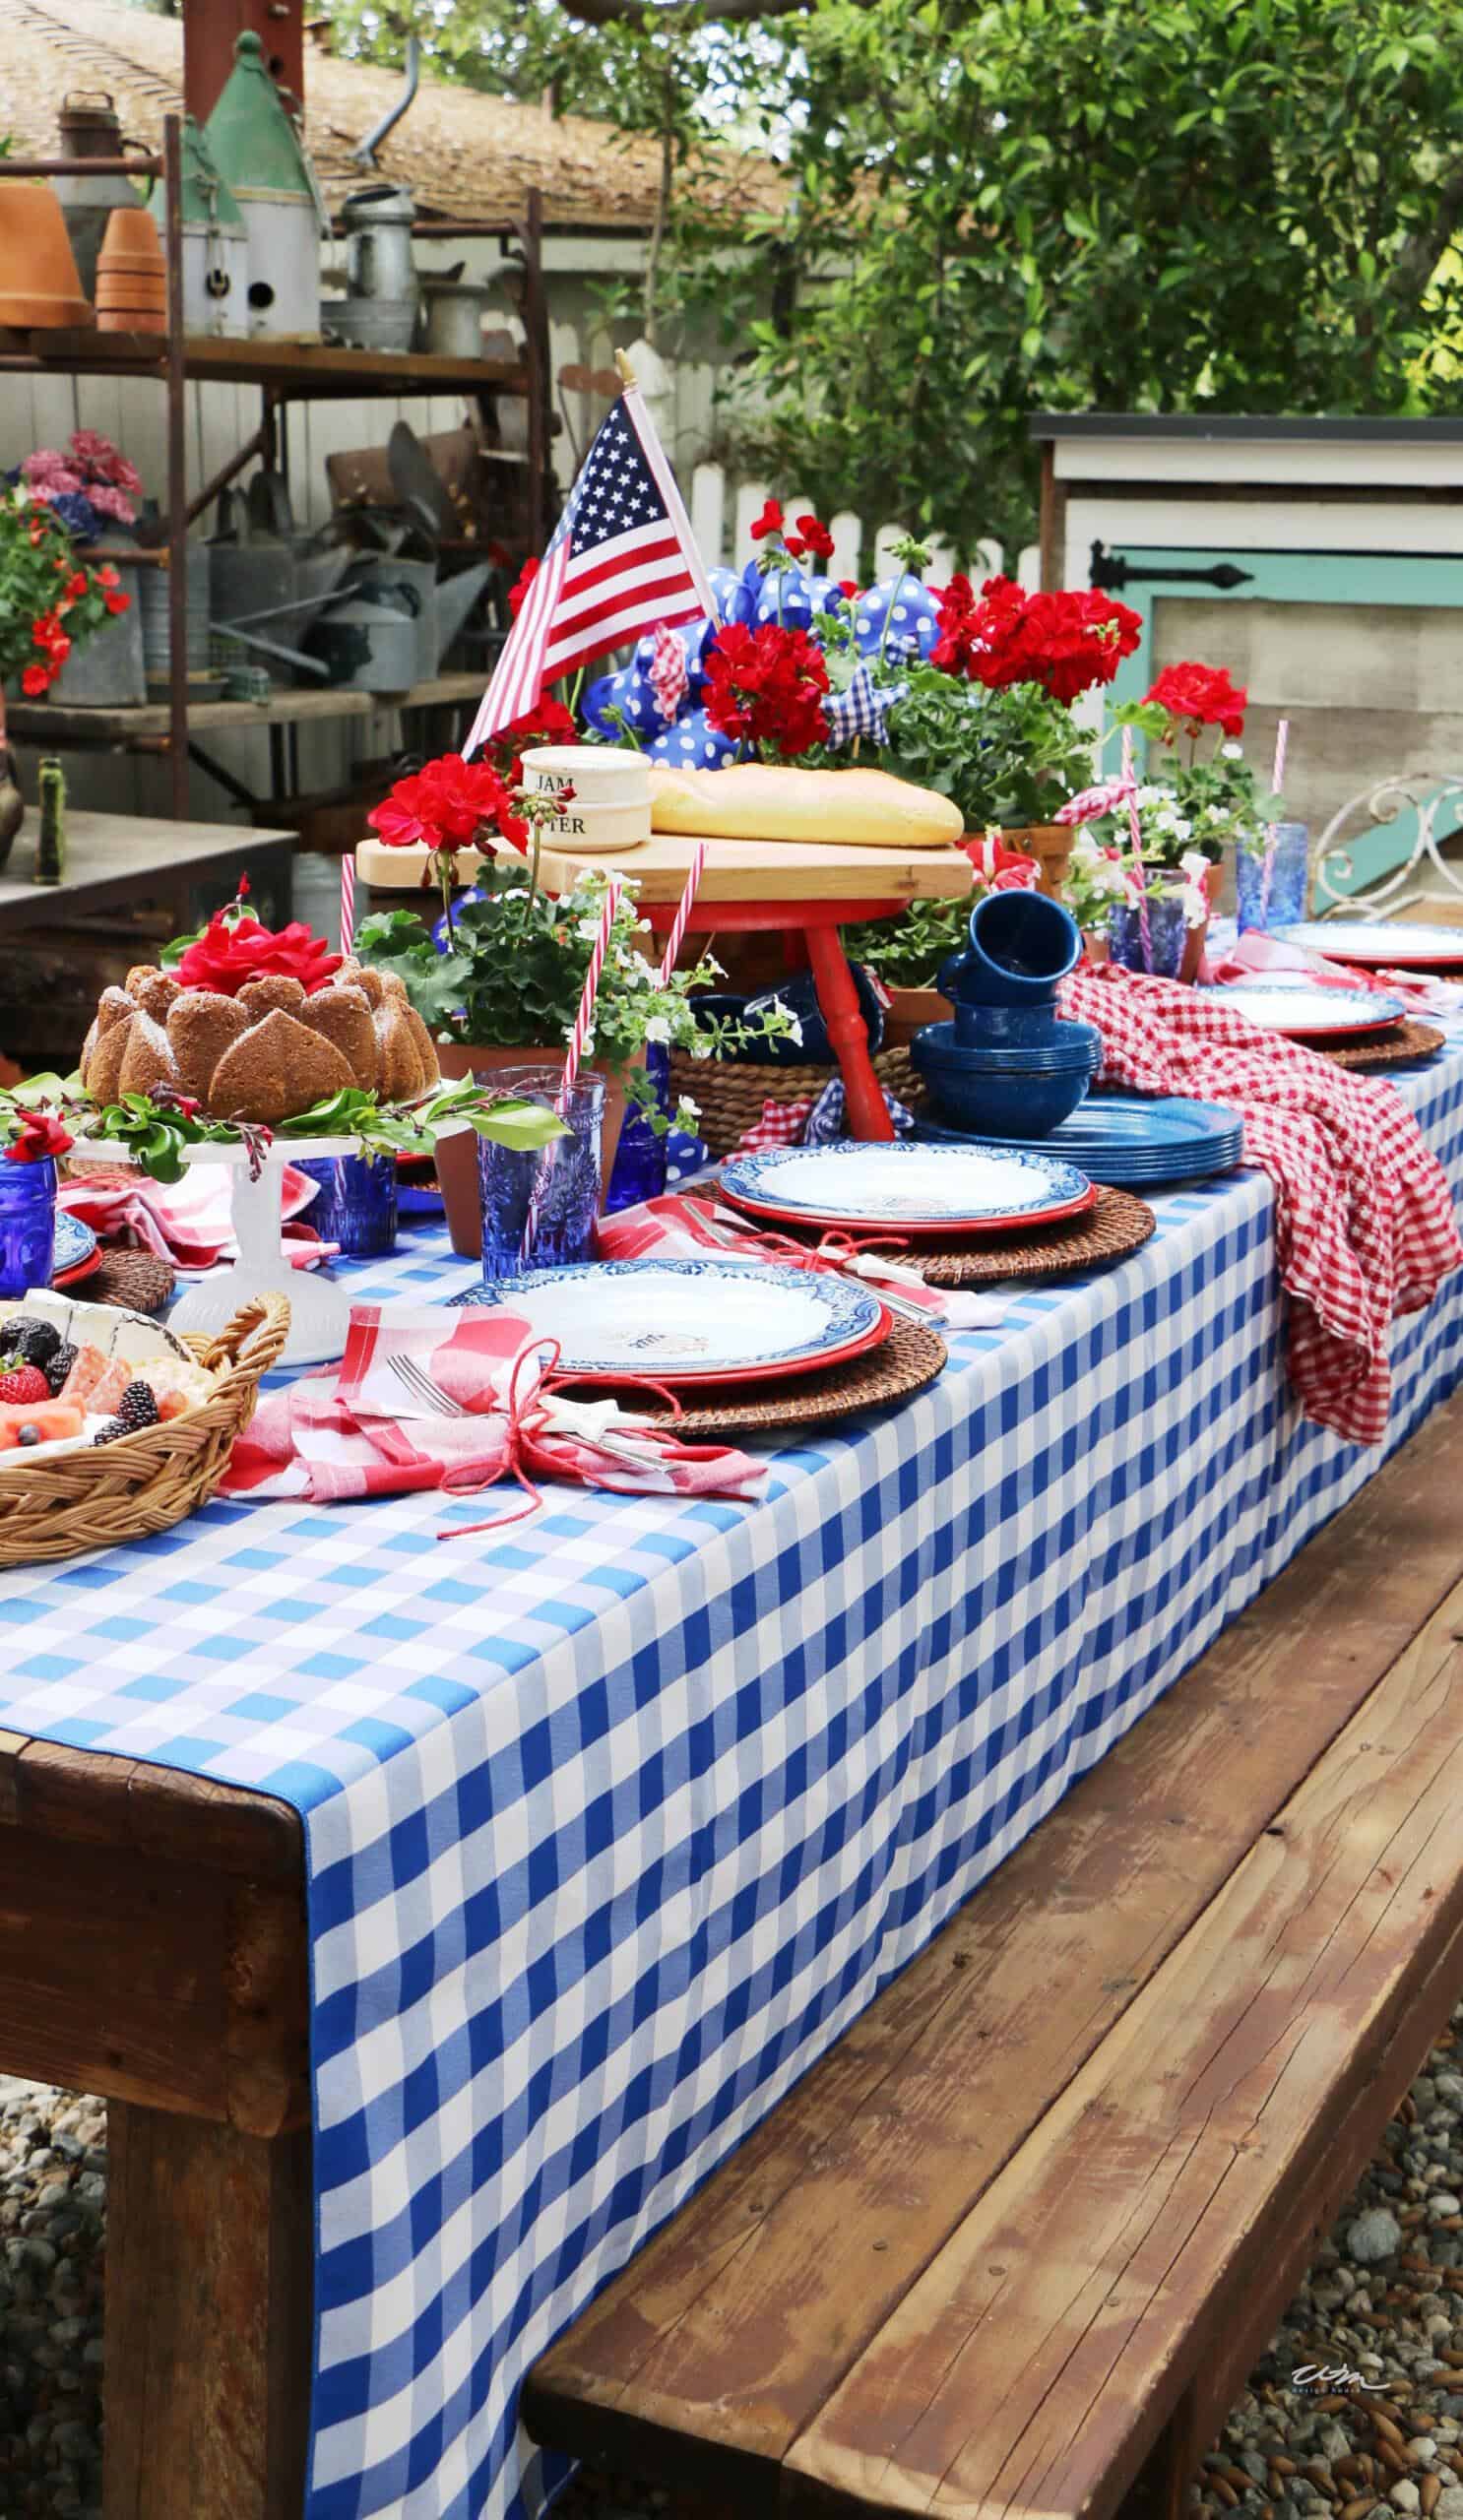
(1077, 2294)
(711, 2355)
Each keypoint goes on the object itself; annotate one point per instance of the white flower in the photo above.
(794, 1026)
(588, 929)
(658, 1029)
(687, 1112)
(1231, 752)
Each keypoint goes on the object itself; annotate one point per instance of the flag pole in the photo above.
(626, 371)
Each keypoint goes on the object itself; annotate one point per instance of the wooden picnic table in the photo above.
(113, 859)
(153, 1949)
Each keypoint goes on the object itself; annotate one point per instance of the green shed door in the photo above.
(1361, 652)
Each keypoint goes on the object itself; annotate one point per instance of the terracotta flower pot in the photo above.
(1050, 843)
(38, 279)
(457, 1155)
(909, 1011)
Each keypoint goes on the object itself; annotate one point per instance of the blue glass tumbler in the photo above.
(639, 1168)
(28, 1225)
(355, 1203)
(1283, 901)
(1167, 933)
(539, 1208)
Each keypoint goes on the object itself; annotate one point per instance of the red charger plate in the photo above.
(899, 1229)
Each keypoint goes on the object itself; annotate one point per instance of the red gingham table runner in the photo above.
(1365, 1225)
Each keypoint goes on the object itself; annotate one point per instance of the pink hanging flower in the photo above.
(669, 679)
(108, 501)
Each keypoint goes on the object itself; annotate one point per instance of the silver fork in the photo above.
(420, 1387)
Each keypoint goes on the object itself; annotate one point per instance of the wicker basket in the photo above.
(144, 1483)
(729, 1093)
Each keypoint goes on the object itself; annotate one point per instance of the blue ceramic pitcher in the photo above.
(1003, 985)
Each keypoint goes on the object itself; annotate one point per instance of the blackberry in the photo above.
(33, 1342)
(109, 1433)
(57, 1367)
(137, 1407)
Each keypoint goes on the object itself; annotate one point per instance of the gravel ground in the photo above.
(1385, 2299)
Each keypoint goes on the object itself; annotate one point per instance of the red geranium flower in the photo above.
(767, 685)
(39, 1137)
(999, 869)
(1202, 696)
(768, 521)
(449, 805)
(1063, 641)
(35, 680)
(519, 590)
(225, 957)
(816, 538)
(850, 588)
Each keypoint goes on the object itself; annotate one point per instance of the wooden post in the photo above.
(1052, 527)
(211, 29)
(208, 2321)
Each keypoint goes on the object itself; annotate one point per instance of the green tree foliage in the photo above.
(1153, 205)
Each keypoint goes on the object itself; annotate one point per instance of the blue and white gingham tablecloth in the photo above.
(613, 1824)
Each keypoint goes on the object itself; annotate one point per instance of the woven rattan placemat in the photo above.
(910, 1358)
(1402, 1048)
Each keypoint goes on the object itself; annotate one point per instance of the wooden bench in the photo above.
(1015, 2243)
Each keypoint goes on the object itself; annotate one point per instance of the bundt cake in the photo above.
(264, 1054)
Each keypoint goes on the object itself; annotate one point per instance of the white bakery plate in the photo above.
(1398, 943)
(1307, 1014)
(914, 1189)
(695, 1321)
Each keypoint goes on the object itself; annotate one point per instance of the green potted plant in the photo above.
(497, 979)
(50, 603)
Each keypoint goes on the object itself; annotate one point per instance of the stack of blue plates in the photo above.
(1132, 1141)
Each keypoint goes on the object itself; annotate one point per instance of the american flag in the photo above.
(621, 559)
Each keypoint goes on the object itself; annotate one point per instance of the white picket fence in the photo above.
(722, 510)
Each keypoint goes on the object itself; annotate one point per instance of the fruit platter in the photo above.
(111, 1425)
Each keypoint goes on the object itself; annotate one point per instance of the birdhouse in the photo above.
(215, 244)
(259, 155)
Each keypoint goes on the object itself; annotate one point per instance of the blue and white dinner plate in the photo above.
(912, 1189)
(1402, 944)
(1304, 1012)
(694, 1321)
(76, 1244)
(1124, 1139)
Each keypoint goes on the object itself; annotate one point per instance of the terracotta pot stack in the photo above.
(131, 276)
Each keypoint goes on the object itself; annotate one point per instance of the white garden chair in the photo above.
(1421, 792)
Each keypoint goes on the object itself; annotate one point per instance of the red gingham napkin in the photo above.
(1365, 1225)
(781, 1124)
(362, 1428)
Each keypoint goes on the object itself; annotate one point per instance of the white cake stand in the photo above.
(319, 1309)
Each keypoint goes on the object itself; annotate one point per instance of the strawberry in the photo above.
(23, 1385)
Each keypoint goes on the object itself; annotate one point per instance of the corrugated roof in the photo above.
(464, 154)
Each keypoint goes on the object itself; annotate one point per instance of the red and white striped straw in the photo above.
(1135, 832)
(584, 1018)
(585, 1014)
(1272, 835)
(348, 901)
(682, 920)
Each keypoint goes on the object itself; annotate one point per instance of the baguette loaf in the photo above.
(846, 808)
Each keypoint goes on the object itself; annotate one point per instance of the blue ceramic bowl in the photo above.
(1074, 1048)
(1006, 1027)
(1011, 1093)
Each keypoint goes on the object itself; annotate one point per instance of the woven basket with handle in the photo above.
(107, 1494)
(729, 1093)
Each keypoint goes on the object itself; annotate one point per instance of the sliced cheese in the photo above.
(845, 808)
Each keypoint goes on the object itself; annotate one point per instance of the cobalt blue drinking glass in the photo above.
(539, 1208)
(28, 1226)
(1284, 901)
(355, 1203)
(639, 1168)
